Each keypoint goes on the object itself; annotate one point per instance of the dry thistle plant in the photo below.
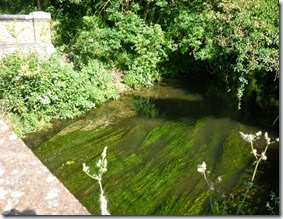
(201, 168)
(102, 165)
(251, 138)
(258, 157)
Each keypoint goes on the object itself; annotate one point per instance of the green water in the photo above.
(156, 138)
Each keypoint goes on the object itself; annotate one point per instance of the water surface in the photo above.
(156, 137)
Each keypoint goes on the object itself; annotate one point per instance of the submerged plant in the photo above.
(102, 165)
(273, 204)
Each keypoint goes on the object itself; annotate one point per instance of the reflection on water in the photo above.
(156, 138)
(145, 107)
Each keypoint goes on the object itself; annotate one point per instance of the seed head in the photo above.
(201, 167)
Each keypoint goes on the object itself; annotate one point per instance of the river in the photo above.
(156, 137)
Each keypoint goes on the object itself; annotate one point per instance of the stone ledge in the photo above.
(15, 17)
(16, 45)
(37, 15)
(27, 187)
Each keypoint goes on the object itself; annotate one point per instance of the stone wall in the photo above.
(26, 32)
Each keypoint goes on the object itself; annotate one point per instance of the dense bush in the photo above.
(131, 45)
(34, 90)
(237, 41)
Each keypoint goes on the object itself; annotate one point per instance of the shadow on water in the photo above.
(176, 109)
(156, 137)
(193, 99)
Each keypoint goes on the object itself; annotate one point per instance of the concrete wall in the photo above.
(25, 32)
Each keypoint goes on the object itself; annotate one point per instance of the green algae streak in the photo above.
(155, 138)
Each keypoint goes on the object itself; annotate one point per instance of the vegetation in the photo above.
(102, 165)
(236, 41)
(216, 207)
(34, 90)
(152, 160)
(274, 207)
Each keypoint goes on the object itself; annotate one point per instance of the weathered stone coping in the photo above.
(38, 15)
(27, 187)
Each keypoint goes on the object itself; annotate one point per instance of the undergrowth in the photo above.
(34, 90)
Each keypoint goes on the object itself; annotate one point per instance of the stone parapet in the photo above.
(26, 32)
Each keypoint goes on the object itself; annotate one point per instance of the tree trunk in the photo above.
(38, 4)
